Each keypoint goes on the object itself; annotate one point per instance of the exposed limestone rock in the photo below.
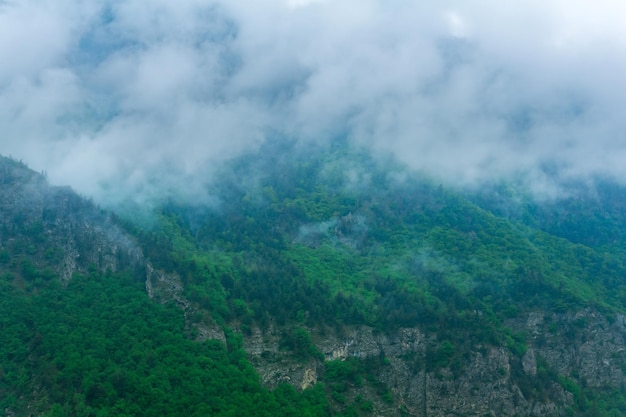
(364, 342)
(262, 343)
(585, 345)
(529, 362)
(275, 370)
(164, 287)
(209, 332)
(578, 345)
(76, 233)
(274, 365)
(309, 378)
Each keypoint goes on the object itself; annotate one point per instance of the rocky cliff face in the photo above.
(56, 227)
(53, 226)
(166, 287)
(585, 347)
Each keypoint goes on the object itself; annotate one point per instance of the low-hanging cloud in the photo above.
(135, 98)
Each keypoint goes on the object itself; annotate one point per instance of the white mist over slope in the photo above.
(131, 98)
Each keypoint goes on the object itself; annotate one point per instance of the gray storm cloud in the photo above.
(134, 98)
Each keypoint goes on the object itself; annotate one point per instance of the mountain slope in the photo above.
(55, 228)
(369, 288)
(80, 336)
(393, 253)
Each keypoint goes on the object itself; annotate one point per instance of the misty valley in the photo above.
(315, 281)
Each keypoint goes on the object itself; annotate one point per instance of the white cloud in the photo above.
(457, 25)
(294, 4)
(113, 93)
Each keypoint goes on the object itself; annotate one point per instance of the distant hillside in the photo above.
(593, 213)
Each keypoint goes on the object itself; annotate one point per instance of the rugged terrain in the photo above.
(57, 228)
(367, 290)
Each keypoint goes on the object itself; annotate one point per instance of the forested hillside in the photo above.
(95, 344)
(319, 281)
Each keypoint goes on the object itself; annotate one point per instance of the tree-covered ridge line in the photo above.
(396, 230)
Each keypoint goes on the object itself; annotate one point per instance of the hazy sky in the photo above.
(126, 95)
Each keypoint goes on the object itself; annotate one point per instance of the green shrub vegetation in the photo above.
(100, 347)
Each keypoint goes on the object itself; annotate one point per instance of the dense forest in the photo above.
(305, 243)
